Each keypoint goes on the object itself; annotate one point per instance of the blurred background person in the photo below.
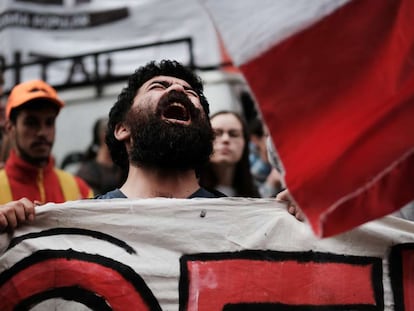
(228, 170)
(30, 172)
(268, 180)
(97, 168)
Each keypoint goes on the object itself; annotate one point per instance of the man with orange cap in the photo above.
(29, 174)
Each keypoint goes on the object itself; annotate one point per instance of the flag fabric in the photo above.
(201, 254)
(334, 81)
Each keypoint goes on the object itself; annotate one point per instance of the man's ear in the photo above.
(122, 132)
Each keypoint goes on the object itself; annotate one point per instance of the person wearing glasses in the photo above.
(228, 170)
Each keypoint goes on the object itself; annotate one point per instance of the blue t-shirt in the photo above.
(200, 193)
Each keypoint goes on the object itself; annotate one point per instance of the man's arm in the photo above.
(15, 213)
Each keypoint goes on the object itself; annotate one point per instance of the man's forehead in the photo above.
(41, 111)
(168, 79)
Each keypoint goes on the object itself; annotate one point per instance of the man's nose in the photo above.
(43, 129)
(176, 87)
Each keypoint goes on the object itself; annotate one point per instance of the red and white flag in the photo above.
(335, 84)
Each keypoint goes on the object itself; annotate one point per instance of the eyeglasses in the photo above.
(232, 133)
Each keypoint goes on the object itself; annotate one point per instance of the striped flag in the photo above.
(335, 84)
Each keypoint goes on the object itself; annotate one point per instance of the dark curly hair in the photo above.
(121, 107)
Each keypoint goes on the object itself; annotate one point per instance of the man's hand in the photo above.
(15, 213)
(284, 197)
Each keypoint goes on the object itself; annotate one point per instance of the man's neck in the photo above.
(145, 183)
(37, 162)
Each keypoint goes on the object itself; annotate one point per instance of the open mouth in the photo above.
(176, 112)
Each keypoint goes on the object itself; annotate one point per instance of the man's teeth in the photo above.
(177, 105)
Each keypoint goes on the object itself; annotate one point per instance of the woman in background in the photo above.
(229, 169)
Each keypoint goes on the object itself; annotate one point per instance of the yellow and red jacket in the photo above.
(20, 179)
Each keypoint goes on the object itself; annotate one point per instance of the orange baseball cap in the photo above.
(27, 91)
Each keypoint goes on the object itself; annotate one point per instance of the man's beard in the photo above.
(40, 160)
(162, 145)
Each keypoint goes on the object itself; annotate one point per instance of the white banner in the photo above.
(201, 254)
(39, 30)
